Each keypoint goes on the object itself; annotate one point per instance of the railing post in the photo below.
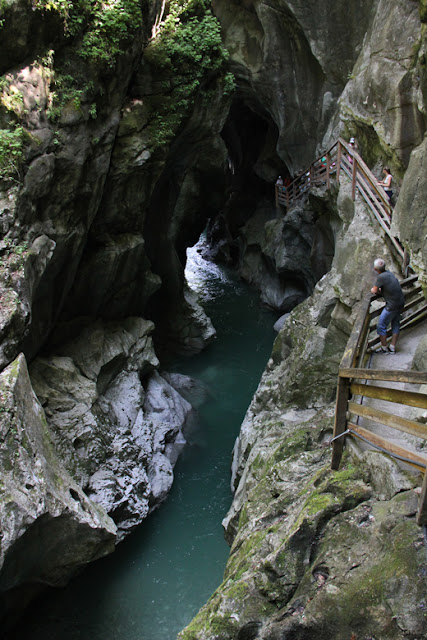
(341, 406)
(353, 178)
(422, 509)
(405, 262)
(328, 170)
(277, 196)
(287, 197)
(339, 152)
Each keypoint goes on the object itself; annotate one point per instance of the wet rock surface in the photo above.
(95, 225)
(40, 500)
(114, 418)
(310, 548)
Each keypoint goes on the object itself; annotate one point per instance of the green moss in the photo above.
(210, 621)
(318, 502)
(371, 589)
(423, 10)
(300, 440)
(242, 554)
(236, 590)
(14, 370)
(331, 491)
(258, 466)
(243, 517)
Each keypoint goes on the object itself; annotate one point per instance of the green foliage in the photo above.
(12, 258)
(229, 83)
(11, 152)
(186, 54)
(3, 7)
(104, 27)
(112, 24)
(67, 89)
(11, 98)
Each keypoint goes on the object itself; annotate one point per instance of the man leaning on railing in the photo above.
(388, 286)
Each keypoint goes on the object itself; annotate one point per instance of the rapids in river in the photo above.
(158, 578)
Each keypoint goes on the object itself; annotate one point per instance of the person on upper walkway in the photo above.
(386, 182)
(353, 146)
(389, 287)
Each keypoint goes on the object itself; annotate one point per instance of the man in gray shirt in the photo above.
(388, 286)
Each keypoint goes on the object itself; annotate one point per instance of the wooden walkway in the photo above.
(390, 392)
(339, 160)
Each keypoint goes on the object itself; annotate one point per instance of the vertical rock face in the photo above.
(299, 85)
(315, 553)
(97, 209)
(384, 94)
(291, 66)
(40, 500)
(409, 217)
(114, 419)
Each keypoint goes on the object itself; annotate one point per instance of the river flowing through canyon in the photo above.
(158, 578)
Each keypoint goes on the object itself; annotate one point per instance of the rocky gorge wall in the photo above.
(316, 554)
(118, 146)
(101, 178)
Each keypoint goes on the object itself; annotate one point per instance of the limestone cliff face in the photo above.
(316, 554)
(101, 191)
(291, 65)
(299, 85)
(308, 558)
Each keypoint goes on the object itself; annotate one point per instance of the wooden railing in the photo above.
(343, 159)
(355, 380)
(319, 173)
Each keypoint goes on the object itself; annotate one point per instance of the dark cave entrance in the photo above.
(280, 253)
(250, 135)
(277, 252)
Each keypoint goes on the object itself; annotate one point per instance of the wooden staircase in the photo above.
(338, 160)
(356, 380)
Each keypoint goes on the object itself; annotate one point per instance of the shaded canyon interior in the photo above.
(127, 128)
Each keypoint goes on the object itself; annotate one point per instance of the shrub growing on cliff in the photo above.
(187, 53)
(11, 152)
(103, 27)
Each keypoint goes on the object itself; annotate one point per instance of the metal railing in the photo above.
(355, 380)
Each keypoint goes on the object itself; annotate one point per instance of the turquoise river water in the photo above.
(157, 579)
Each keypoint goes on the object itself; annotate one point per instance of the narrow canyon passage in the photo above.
(156, 581)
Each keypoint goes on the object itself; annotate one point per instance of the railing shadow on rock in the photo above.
(343, 159)
(356, 381)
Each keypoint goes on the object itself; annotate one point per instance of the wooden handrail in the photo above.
(388, 419)
(341, 158)
(351, 374)
(396, 375)
(378, 441)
